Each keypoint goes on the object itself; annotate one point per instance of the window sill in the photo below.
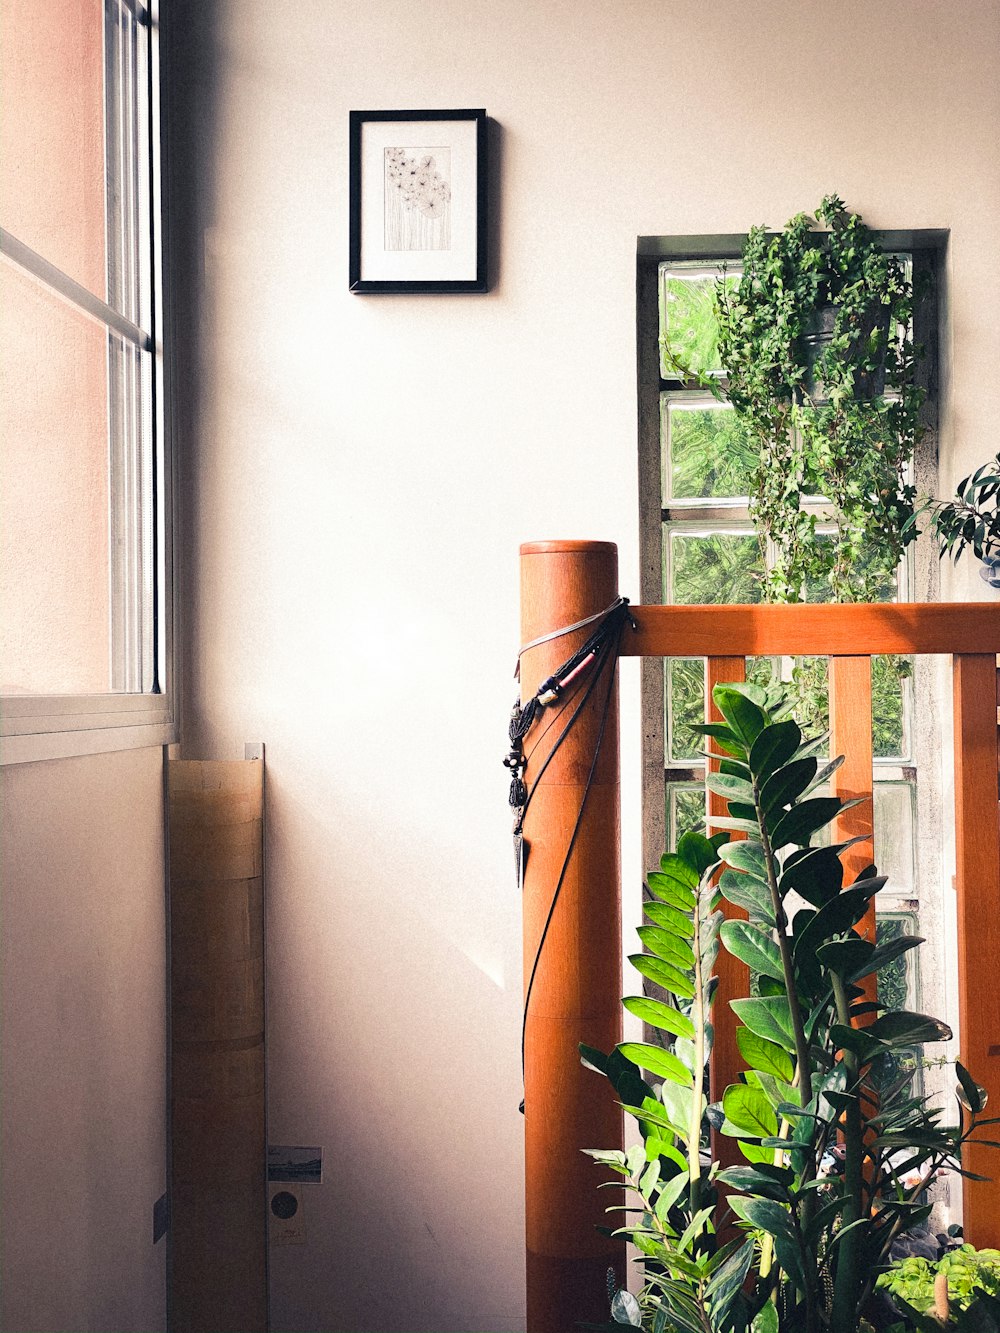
(35, 728)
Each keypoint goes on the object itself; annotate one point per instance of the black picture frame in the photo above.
(418, 201)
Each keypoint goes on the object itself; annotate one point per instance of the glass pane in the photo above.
(713, 568)
(894, 830)
(55, 558)
(685, 810)
(689, 332)
(685, 703)
(52, 123)
(706, 451)
(685, 706)
(891, 706)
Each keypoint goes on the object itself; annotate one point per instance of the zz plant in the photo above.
(805, 336)
(813, 1044)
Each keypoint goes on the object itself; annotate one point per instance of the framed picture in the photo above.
(418, 201)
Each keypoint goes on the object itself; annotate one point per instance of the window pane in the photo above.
(52, 126)
(685, 810)
(894, 854)
(54, 571)
(706, 451)
(891, 706)
(689, 332)
(712, 568)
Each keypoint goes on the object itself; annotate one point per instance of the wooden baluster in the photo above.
(851, 736)
(977, 881)
(725, 1063)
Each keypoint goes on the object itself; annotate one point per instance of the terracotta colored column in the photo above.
(977, 881)
(851, 736)
(576, 995)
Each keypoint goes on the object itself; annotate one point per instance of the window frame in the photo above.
(35, 727)
(927, 248)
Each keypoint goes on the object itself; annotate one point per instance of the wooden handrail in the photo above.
(841, 630)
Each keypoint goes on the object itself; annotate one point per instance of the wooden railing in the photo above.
(563, 582)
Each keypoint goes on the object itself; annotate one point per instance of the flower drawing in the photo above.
(417, 199)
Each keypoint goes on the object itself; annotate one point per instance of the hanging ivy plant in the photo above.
(815, 338)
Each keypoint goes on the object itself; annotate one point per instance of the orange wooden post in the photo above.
(725, 1062)
(851, 736)
(576, 995)
(977, 848)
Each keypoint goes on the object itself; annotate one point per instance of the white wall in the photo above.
(83, 1117)
(359, 472)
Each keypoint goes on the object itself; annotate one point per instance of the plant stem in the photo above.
(694, 1124)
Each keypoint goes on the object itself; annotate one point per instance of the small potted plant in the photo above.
(972, 520)
(819, 362)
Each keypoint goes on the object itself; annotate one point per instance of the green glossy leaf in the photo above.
(591, 1058)
(698, 852)
(733, 789)
(767, 1056)
(746, 719)
(856, 1040)
(727, 1281)
(672, 891)
(758, 1180)
(787, 784)
(659, 1015)
(753, 946)
(803, 820)
(735, 825)
(658, 1061)
(748, 1112)
(678, 868)
(744, 891)
(664, 944)
(745, 854)
(670, 918)
(886, 953)
(970, 1094)
(774, 1219)
(836, 917)
(773, 748)
(817, 876)
(723, 737)
(847, 957)
(766, 1319)
(768, 1017)
(672, 979)
(902, 1028)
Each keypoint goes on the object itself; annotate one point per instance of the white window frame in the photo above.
(41, 727)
